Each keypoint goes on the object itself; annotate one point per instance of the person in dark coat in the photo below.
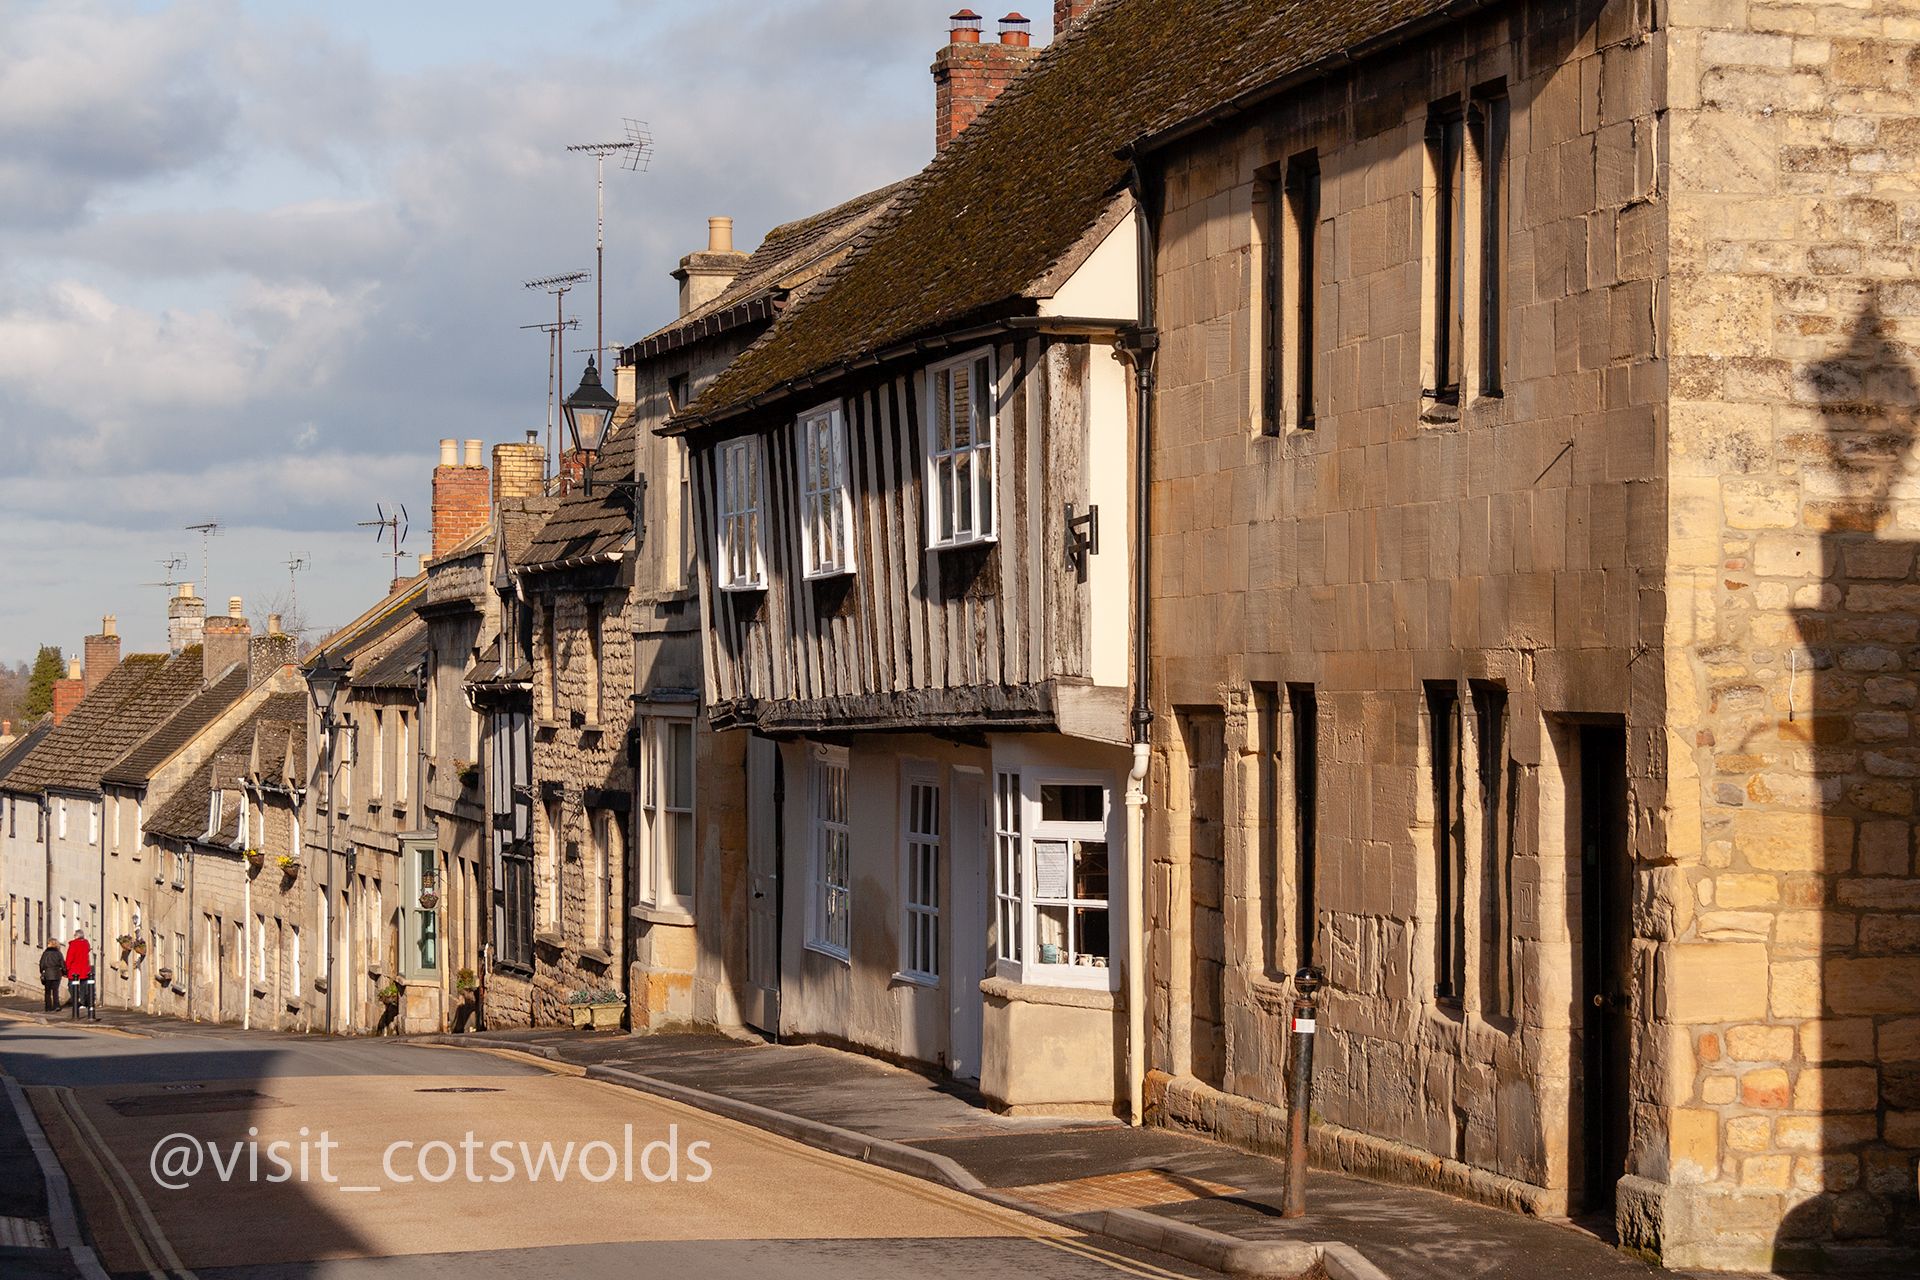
(80, 973)
(53, 967)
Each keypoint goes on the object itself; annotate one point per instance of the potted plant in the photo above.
(126, 945)
(389, 993)
(164, 977)
(598, 1008)
(289, 865)
(139, 947)
(254, 858)
(466, 985)
(429, 899)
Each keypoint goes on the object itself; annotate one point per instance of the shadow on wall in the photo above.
(1855, 1105)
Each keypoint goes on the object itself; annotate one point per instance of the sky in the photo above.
(257, 259)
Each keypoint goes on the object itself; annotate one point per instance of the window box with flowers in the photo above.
(598, 1009)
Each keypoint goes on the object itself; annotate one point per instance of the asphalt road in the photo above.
(258, 1157)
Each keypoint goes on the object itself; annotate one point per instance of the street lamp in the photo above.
(326, 677)
(589, 412)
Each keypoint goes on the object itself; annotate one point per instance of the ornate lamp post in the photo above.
(589, 412)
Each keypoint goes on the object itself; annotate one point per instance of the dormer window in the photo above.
(742, 562)
(960, 439)
(826, 493)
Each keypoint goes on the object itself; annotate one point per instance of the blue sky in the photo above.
(256, 259)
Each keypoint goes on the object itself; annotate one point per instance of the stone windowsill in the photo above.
(1061, 997)
(663, 915)
(594, 955)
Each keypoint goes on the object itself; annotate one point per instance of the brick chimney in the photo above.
(225, 642)
(1068, 12)
(969, 75)
(186, 618)
(460, 496)
(704, 276)
(268, 653)
(519, 470)
(68, 692)
(102, 652)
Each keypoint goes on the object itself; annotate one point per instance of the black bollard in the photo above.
(1300, 1088)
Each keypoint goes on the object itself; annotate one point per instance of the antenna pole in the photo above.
(557, 371)
(599, 253)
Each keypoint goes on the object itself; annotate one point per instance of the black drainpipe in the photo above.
(1142, 346)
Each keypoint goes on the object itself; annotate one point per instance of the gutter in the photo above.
(1141, 343)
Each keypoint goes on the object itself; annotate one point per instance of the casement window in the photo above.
(422, 877)
(140, 828)
(516, 905)
(1490, 125)
(378, 782)
(830, 870)
(1053, 830)
(960, 451)
(665, 866)
(551, 648)
(1449, 864)
(1290, 281)
(1009, 858)
(688, 575)
(62, 810)
(920, 846)
(260, 951)
(116, 824)
(292, 971)
(826, 493)
(600, 899)
(741, 564)
(93, 822)
(1446, 251)
(402, 759)
(1498, 782)
(596, 700)
(550, 871)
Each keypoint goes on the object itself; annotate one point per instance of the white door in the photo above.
(967, 855)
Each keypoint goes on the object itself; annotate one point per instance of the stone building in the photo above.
(377, 954)
(230, 921)
(692, 944)
(476, 509)
(1531, 599)
(915, 549)
(137, 881)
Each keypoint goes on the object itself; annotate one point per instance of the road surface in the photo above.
(232, 1156)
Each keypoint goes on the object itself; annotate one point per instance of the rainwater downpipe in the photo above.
(1142, 345)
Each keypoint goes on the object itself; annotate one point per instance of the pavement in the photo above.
(417, 1159)
(1081, 1172)
(1159, 1189)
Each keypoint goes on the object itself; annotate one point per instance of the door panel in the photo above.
(1606, 913)
(968, 870)
(762, 1006)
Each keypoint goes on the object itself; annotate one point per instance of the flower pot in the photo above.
(428, 901)
(598, 1017)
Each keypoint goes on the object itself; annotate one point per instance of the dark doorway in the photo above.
(1204, 735)
(1606, 959)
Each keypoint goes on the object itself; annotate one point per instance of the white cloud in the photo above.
(257, 261)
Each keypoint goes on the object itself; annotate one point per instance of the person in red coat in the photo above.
(80, 973)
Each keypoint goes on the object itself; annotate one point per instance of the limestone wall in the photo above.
(1516, 544)
(1792, 992)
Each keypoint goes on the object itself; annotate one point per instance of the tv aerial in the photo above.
(635, 153)
(208, 530)
(294, 565)
(390, 527)
(558, 286)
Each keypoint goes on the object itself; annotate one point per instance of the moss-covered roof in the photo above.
(971, 236)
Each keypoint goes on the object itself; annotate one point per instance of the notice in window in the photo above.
(1050, 869)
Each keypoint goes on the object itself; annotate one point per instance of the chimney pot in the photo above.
(966, 27)
(475, 456)
(234, 610)
(719, 235)
(968, 76)
(449, 453)
(109, 625)
(1016, 31)
(273, 624)
(73, 669)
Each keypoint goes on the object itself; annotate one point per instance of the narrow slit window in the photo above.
(1496, 784)
(1303, 209)
(1491, 135)
(1303, 712)
(1446, 249)
(1443, 762)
